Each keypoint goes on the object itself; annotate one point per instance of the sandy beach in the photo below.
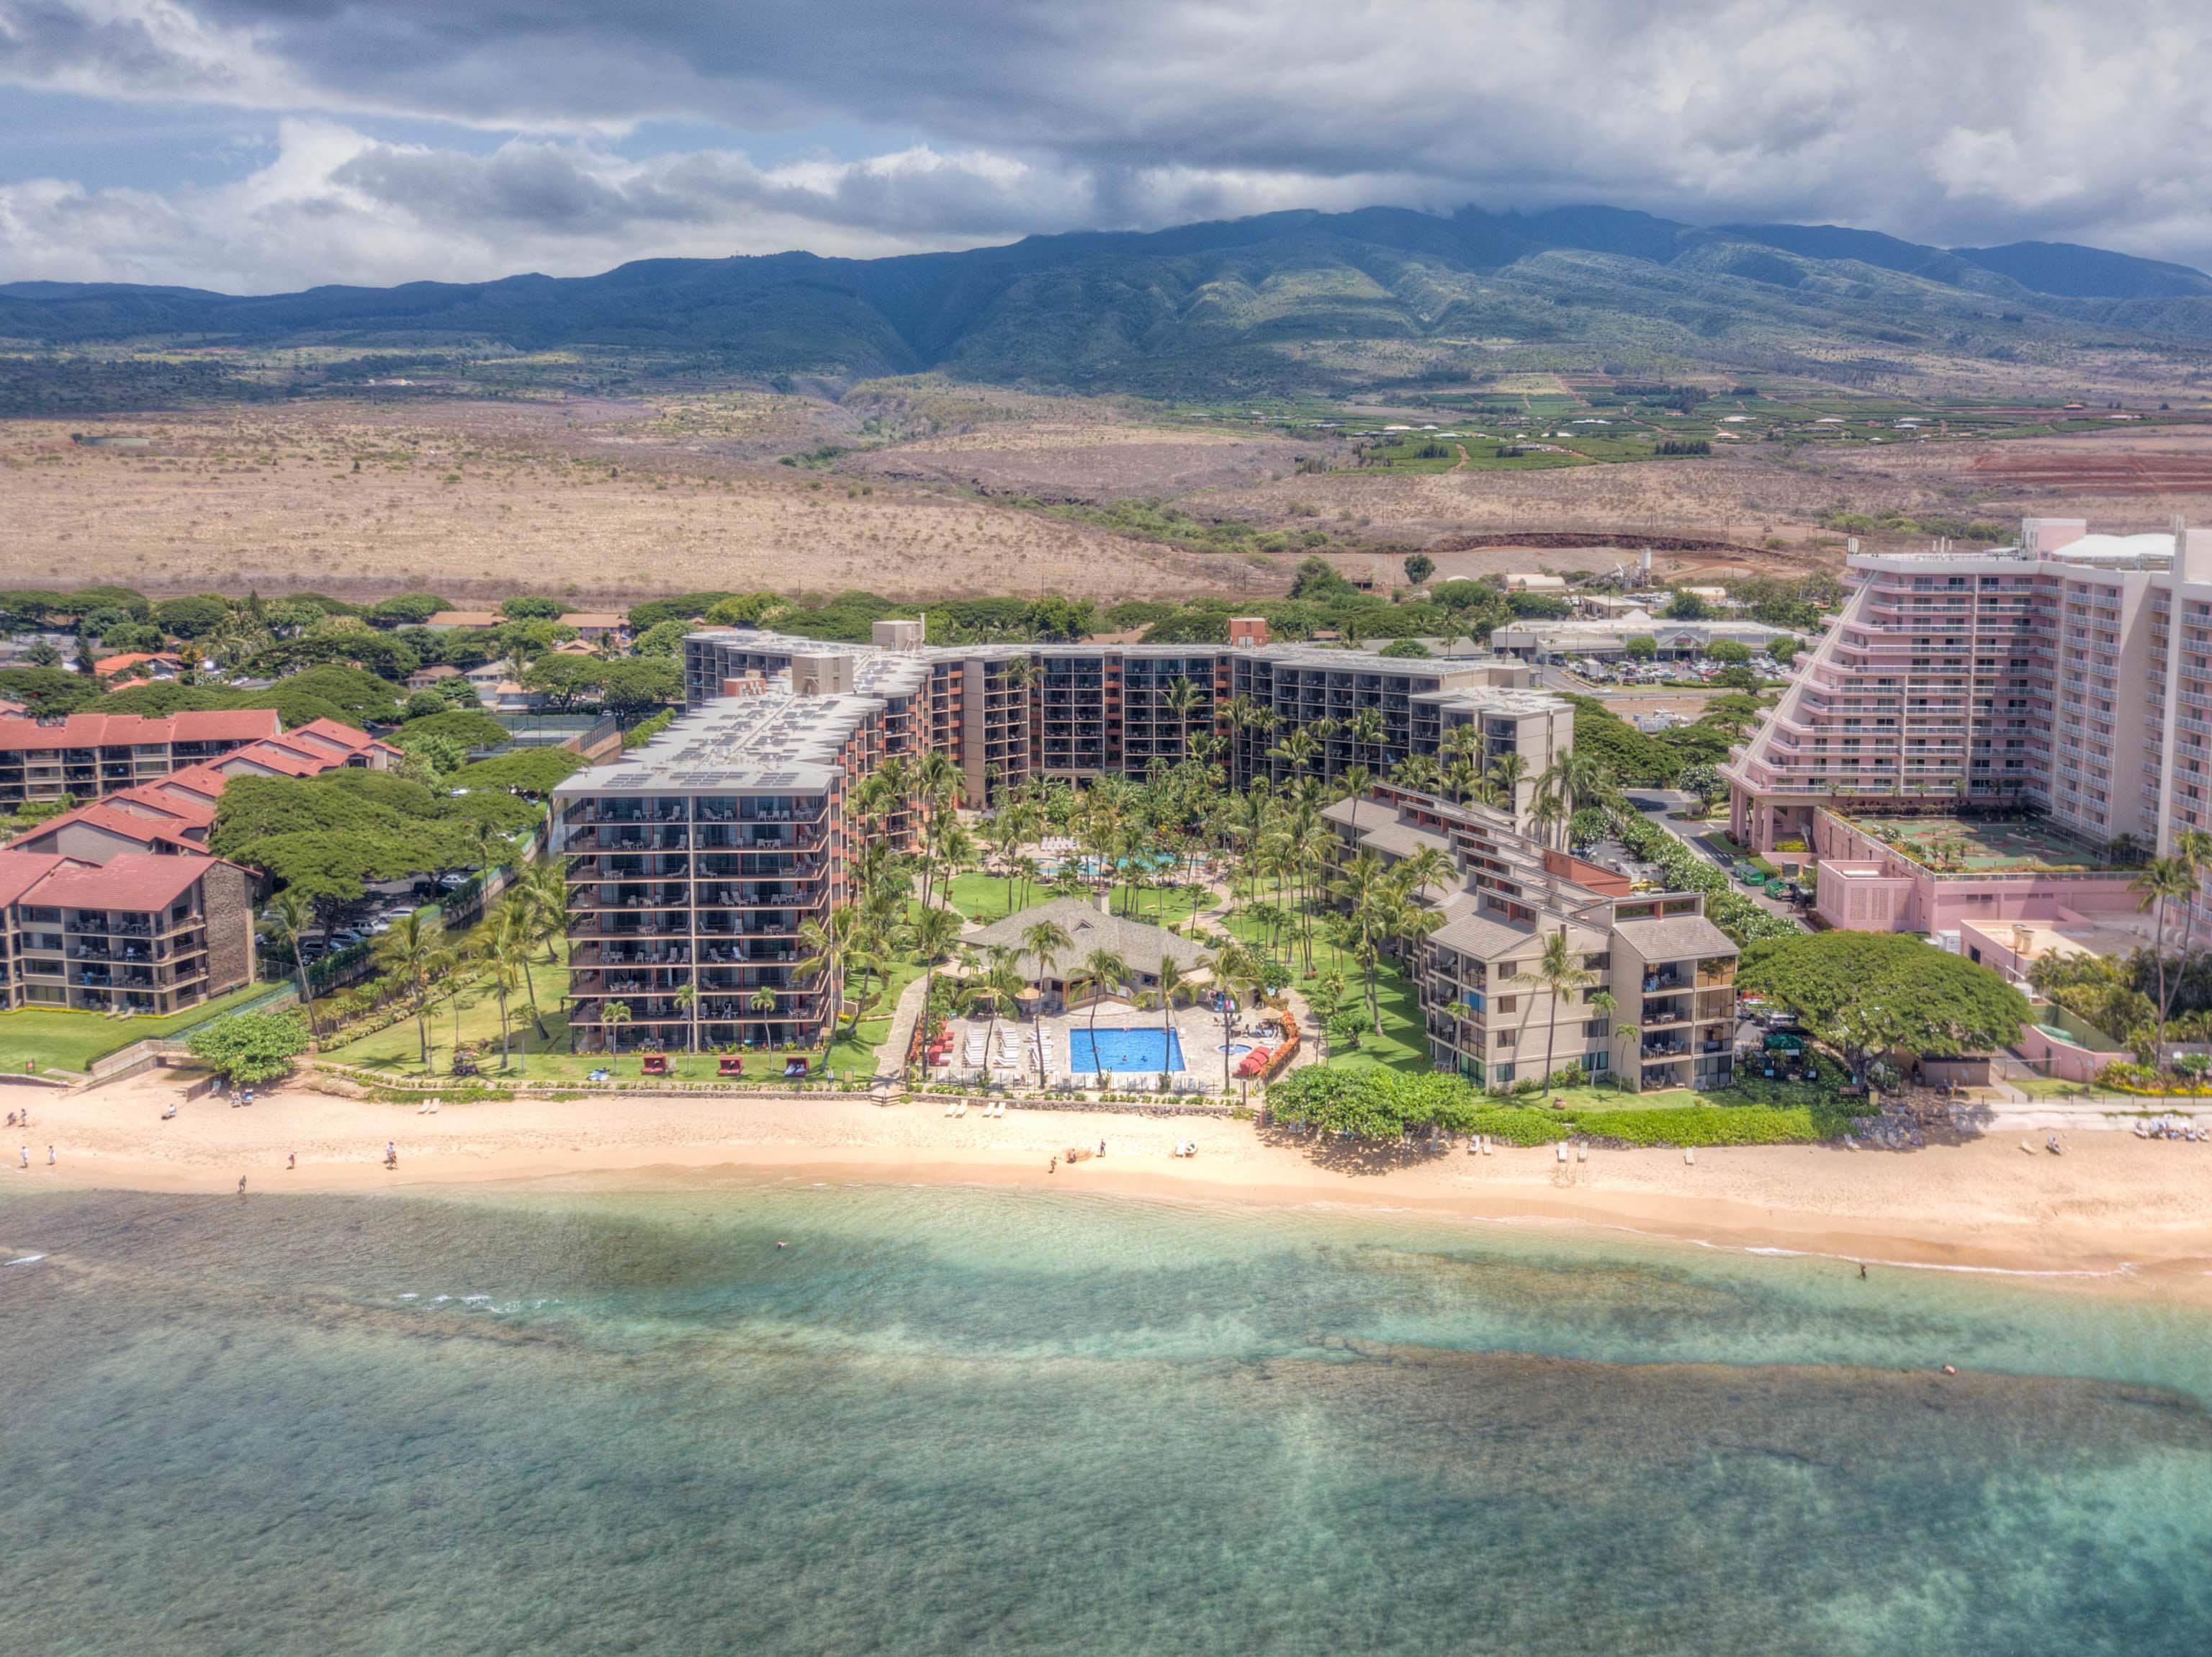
(2114, 1208)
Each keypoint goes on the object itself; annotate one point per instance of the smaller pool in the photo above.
(1133, 1052)
(1234, 1047)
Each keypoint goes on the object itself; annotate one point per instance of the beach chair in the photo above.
(794, 1069)
(730, 1065)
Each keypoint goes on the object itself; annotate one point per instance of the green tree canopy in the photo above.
(1419, 566)
(48, 690)
(249, 1048)
(1727, 649)
(193, 616)
(471, 731)
(529, 770)
(663, 638)
(531, 608)
(683, 608)
(406, 609)
(1865, 994)
(1641, 646)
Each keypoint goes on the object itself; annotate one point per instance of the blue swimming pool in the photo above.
(1131, 1051)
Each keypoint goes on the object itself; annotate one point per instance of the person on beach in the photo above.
(27, 1156)
(1101, 1148)
(1053, 1166)
(291, 1160)
(50, 1156)
(241, 1185)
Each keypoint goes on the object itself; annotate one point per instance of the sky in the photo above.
(257, 146)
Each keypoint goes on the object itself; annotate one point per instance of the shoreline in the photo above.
(2114, 1211)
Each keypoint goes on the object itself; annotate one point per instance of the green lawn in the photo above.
(397, 1052)
(56, 1038)
(983, 898)
(1404, 1042)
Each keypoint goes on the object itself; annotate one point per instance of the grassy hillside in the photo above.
(1286, 301)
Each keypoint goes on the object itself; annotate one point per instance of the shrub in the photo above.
(1709, 1124)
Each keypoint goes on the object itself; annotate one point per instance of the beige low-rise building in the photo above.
(1489, 1013)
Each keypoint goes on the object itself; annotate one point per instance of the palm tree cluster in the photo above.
(423, 959)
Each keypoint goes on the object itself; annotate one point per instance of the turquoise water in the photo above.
(988, 1421)
(1124, 1052)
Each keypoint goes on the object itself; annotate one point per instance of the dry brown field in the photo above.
(600, 501)
(611, 501)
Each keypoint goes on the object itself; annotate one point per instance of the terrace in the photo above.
(2010, 845)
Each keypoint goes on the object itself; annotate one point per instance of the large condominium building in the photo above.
(87, 755)
(1007, 712)
(1671, 972)
(2070, 675)
(138, 933)
(698, 860)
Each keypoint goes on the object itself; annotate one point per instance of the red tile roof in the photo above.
(135, 880)
(146, 830)
(240, 725)
(179, 809)
(107, 666)
(21, 870)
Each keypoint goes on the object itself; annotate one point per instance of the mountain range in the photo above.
(1290, 300)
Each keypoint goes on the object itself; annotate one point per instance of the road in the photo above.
(1675, 812)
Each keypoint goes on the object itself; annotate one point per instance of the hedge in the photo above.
(1711, 1125)
(1730, 910)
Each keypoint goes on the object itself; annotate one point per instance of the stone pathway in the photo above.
(891, 1057)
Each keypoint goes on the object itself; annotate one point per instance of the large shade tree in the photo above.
(1865, 993)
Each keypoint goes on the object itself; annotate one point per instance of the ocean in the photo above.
(981, 1421)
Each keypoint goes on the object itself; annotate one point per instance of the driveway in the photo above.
(1676, 812)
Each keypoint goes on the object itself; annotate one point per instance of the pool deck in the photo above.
(1198, 1034)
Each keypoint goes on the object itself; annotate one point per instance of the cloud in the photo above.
(1911, 116)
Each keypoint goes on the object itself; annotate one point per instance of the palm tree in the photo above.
(1427, 867)
(1043, 941)
(613, 1016)
(1365, 730)
(827, 946)
(542, 890)
(2194, 847)
(515, 925)
(762, 1001)
(1235, 972)
(508, 953)
(687, 997)
(1181, 699)
(1299, 750)
(1366, 888)
(2163, 881)
(1101, 970)
(1170, 980)
(1507, 772)
(1001, 986)
(933, 933)
(1560, 971)
(287, 921)
(405, 952)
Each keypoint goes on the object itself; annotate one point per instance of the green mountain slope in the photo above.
(1294, 299)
